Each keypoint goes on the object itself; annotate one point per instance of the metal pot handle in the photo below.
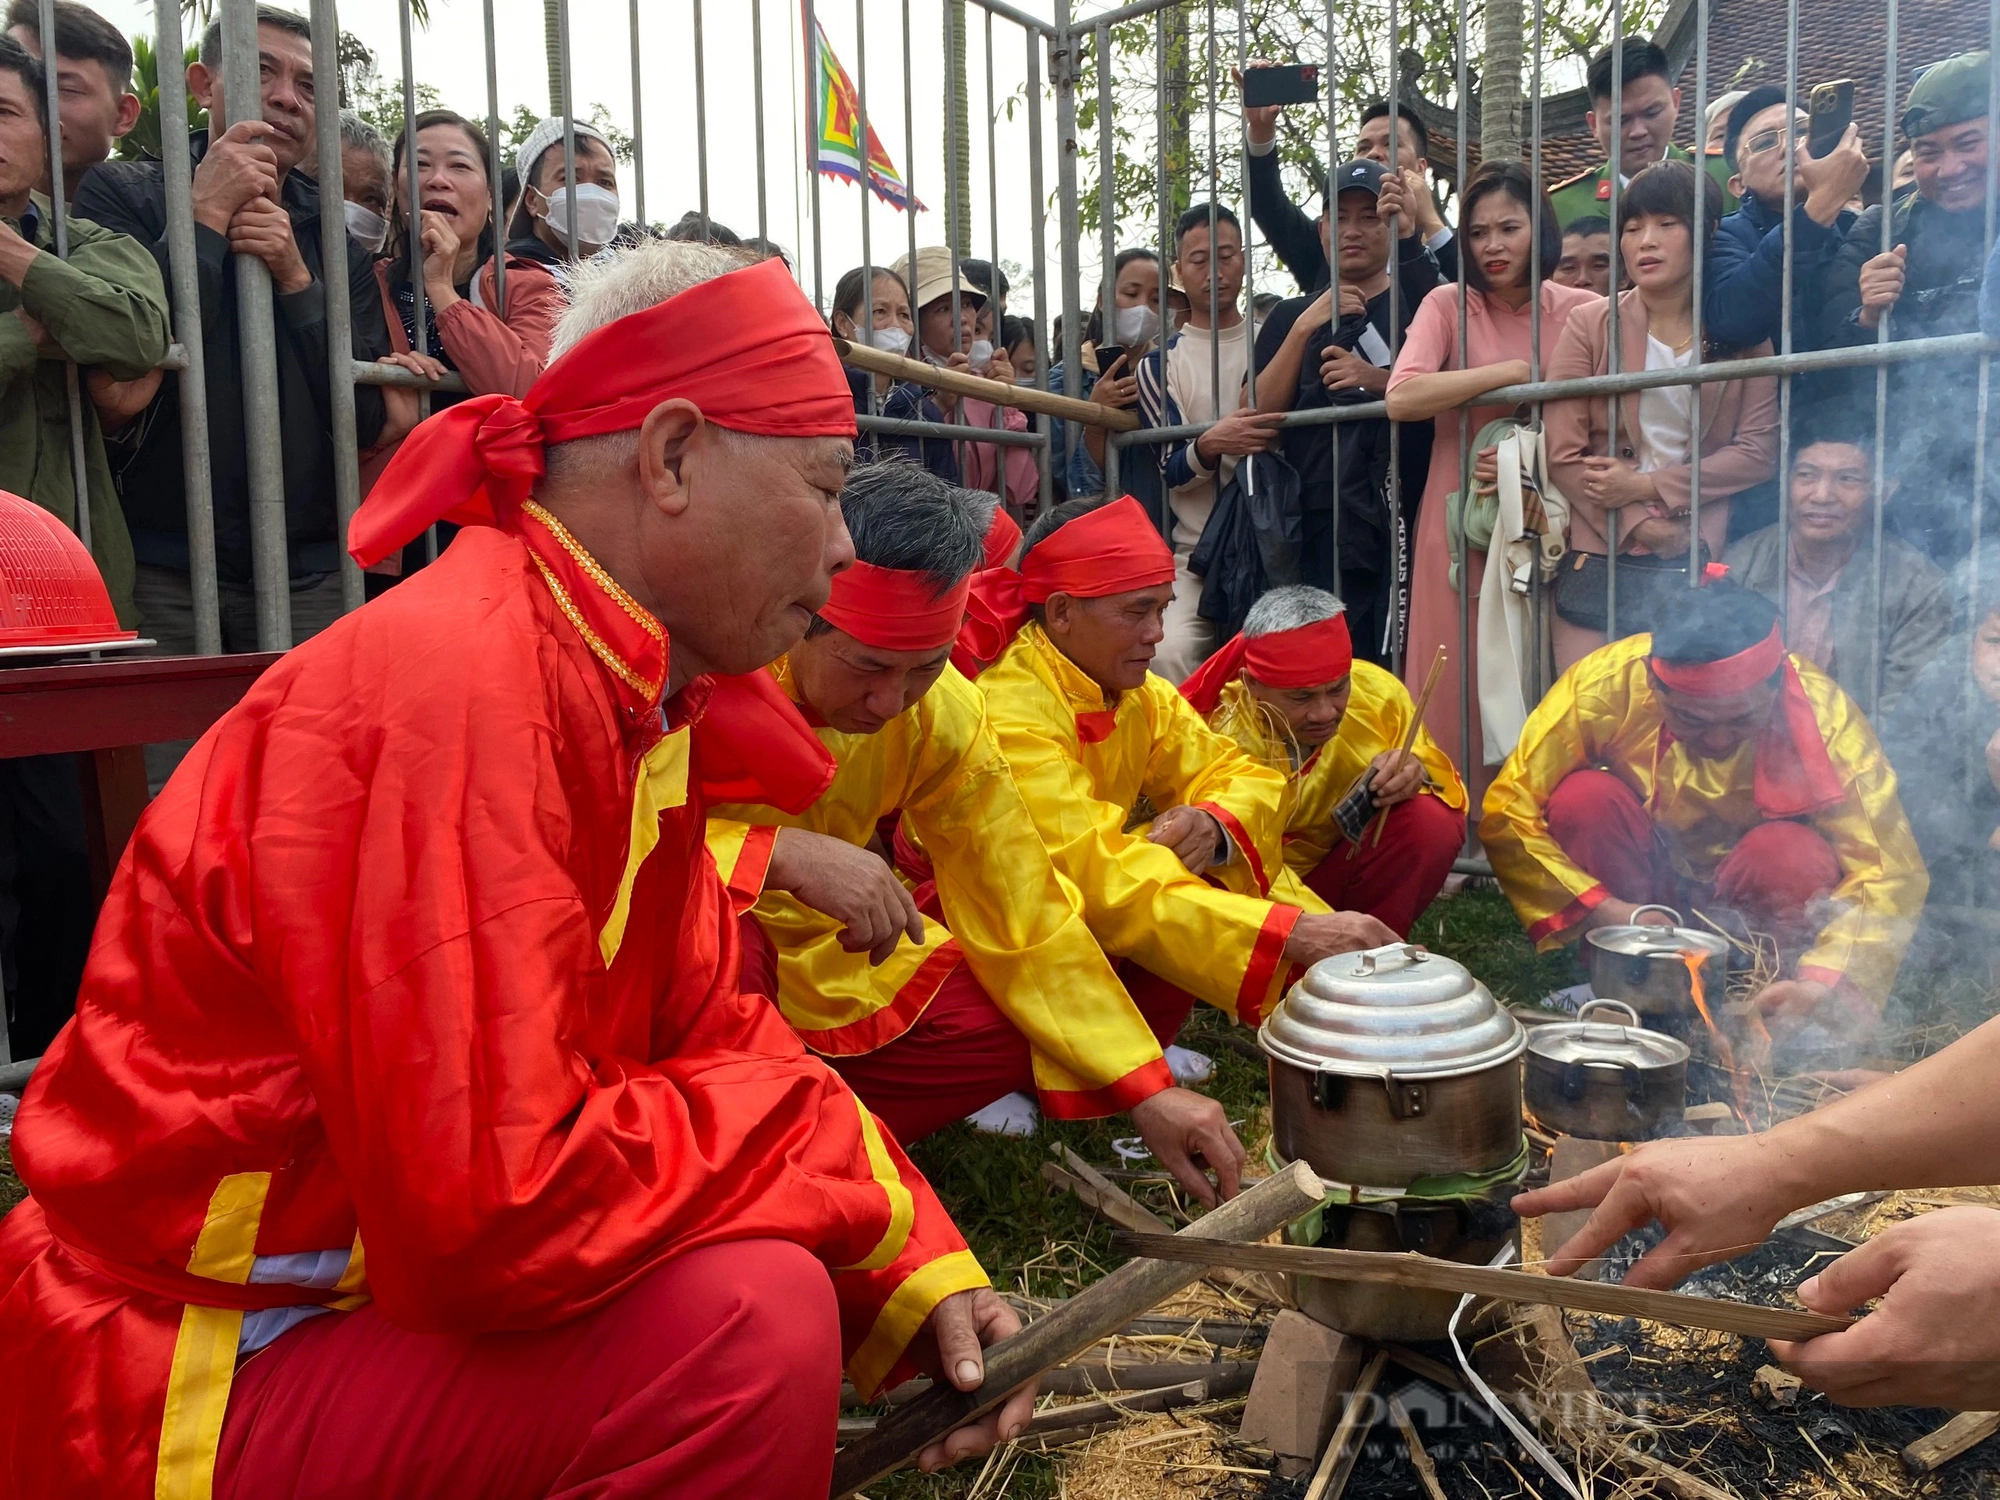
(1410, 952)
(1655, 906)
(1631, 1016)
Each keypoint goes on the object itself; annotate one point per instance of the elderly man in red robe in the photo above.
(413, 1136)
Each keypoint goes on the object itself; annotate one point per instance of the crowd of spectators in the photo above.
(1367, 509)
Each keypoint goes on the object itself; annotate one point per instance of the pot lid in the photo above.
(1656, 942)
(1609, 1044)
(1389, 1010)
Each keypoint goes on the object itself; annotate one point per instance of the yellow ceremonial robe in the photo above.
(1010, 917)
(1087, 767)
(1602, 713)
(1378, 716)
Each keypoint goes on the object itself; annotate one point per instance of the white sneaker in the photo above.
(1189, 1067)
(1016, 1114)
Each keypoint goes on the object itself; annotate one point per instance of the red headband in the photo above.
(894, 610)
(1002, 537)
(1305, 657)
(1733, 674)
(747, 348)
(1113, 549)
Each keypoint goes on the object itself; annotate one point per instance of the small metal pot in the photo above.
(1606, 1082)
(1646, 967)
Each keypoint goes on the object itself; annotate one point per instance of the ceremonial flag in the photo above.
(836, 147)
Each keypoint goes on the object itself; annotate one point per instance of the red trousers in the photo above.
(718, 1375)
(1775, 872)
(963, 1052)
(1394, 881)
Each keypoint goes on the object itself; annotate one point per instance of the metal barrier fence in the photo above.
(1053, 52)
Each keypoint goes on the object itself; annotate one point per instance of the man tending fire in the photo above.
(1704, 768)
(1289, 691)
(411, 1059)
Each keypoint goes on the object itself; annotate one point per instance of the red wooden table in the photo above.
(106, 713)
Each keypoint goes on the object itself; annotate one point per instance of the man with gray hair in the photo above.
(1370, 825)
(420, 951)
(1005, 993)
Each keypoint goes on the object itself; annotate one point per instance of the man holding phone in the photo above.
(1743, 297)
(1293, 235)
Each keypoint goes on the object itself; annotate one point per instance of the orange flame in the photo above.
(1739, 1078)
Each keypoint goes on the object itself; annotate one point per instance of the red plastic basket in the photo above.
(50, 590)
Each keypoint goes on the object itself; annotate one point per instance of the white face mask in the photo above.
(596, 211)
(367, 226)
(980, 353)
(1134, 325)
(889, 340)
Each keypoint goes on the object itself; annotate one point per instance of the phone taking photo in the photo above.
(1292, 83)
(1830, 110)
(1109, 355)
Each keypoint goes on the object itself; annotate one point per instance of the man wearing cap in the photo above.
(1289, 692)
(1743, 293)
(1926, 286)
(1171, 834)
(554, 202)
(411, 1060)
(1311, 354)
(1003, 993)
(1706, 769)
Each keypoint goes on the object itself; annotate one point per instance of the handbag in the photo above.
(1650, 587)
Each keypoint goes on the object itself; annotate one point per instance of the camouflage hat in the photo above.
(1949, 93)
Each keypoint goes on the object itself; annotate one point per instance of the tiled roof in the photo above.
(1837, 39)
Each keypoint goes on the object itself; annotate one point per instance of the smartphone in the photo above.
(1108, 355)
(1831, 111)
(1295, 83)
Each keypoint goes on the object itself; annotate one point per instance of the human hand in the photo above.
(1189, 1135)
(1882, 284)
(950, 1346)
(1933, 1339)
(1611, 912)
(1242, 432)
(1831, 180)
(238, 166)
(1660, 534)
(263, 229)
(1486, 471)
(1344, 370)
(39, 336)
(1000, 367)
(1114, 387)
(1194, 836)
(1423, 201)
(1394, 203)
(948, 400)
(119, 401)
(1259, 124)
(850, 885)
(441, 245)
(1319, 935)
(1611, 483)
(416, 364)
(1352, 303)
(1395, 776)
(1717, 1198)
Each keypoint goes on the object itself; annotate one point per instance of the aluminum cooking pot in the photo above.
(1604, 1081)
(1391, 1065)
(1647, 967)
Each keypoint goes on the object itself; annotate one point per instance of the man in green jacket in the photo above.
(105, 308)
(1649, 107)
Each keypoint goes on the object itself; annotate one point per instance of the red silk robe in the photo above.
(390, 998)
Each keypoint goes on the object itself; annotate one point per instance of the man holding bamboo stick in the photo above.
(1170, 832)
(1377, 810)
(1934, 1337)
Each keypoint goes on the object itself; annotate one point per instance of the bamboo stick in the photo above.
(1410, 738)
(999, 392)
(1071, 1328)
(1966, 1430)
(1343, 1449)
(1421, 1271)
(1419, 1459)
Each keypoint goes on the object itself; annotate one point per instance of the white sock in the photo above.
(1188, 1066)
(1015, 1114)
